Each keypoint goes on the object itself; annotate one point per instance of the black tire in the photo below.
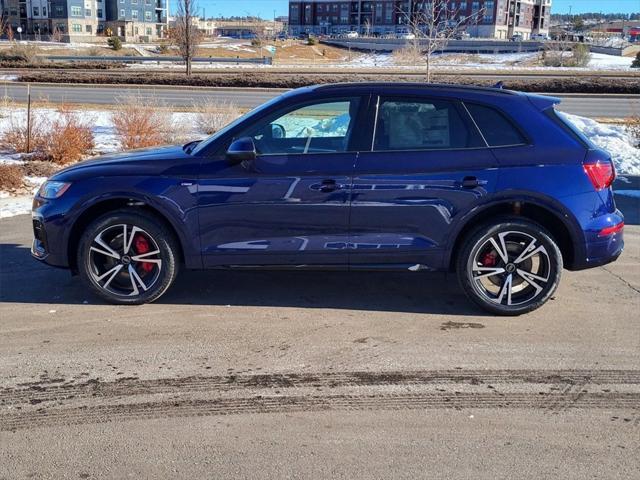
(152, 275)
(479, 262)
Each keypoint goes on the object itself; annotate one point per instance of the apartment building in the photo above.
(491, 18)
(87, 20)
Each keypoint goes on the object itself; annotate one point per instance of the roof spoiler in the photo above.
(543, 102)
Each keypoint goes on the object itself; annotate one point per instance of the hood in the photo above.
(135, 162)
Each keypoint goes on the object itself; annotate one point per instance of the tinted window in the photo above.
(323, 127)
(415, 124)
(497, 130)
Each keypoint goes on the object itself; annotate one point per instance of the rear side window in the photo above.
(497, 129)
(420, 124)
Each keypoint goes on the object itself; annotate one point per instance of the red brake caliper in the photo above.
(489, 259)
(142, 246)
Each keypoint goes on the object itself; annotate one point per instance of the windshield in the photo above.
(209, 140)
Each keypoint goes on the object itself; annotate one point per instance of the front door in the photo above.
(291, 205)
(427, 165)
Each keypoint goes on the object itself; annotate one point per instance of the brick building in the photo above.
(85, 20)
(498, 18)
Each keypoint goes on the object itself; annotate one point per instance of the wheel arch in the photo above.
(108, 205)
(560, 223)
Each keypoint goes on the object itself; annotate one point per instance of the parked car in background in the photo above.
(517, 38)
(462, 36)
(352, 35)
(494, 185)
(539, 37)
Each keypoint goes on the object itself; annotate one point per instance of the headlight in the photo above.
(51, 189)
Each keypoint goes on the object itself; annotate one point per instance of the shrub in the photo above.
(163, 48)
(14, 137)
(213, 115)
(312, 40)
(256, 42)
(10, 177)
(141, 123)
(636, 62)
(115, 43)
(94, 52)
(581, 55)
(633, 127)
(70, 138)
(38, 168)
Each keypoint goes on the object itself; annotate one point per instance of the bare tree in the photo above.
(186, 34)
(433, 24)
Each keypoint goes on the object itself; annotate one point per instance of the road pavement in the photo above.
(316, 375)
(595, 106)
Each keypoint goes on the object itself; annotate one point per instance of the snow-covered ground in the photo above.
(612, 138)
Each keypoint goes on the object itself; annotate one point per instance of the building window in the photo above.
(149, 31)
(99, 13)
(134, 2)
(122, 13)
(44, 11)
(87, 12)
(76, 27)
(61, 27)
(147, 16)
(147, 2)
(36, 11)
(134, 14)
(76, 11)
(87, 28)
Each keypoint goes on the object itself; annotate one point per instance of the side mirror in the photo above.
(241, 150)
(277, 131)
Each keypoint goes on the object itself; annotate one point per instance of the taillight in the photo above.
(601, 173)
(605, 232)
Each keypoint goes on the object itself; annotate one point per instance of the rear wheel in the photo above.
(510, 266)
(128, 257)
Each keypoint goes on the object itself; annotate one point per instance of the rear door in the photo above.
(427, 165)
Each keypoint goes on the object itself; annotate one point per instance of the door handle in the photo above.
(470, 182)
(328, 185)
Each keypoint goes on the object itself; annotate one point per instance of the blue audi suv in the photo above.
(492, 184)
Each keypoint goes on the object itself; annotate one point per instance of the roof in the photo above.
(414, 85)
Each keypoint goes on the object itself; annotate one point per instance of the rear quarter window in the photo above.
(495, 127)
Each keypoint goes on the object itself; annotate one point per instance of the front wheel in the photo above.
(510, 266)
(128, 257)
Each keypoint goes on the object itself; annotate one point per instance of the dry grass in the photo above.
(213, 115)
(70, 138)
(409, 55)
(10, 177)
(141, 123)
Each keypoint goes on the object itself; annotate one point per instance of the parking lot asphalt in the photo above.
(316, 375)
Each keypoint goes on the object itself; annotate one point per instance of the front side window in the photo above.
(317, 128)
(496, 129)
(420, 124)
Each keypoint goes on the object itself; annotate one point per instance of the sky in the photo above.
(265, 8)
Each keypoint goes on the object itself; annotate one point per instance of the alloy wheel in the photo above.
(510, 268)
(124, 260)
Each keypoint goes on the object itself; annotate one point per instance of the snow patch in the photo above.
(614, 139)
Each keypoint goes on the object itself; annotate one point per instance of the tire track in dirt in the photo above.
(62, 389)
(289, 404)
(92, 401)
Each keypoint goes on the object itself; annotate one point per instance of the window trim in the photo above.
(527, 139)
(456, 103)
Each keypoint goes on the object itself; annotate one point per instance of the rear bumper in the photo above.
(600, 250)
